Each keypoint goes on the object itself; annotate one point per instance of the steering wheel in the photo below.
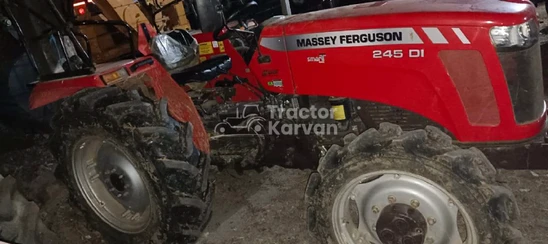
(244, 11)
(223, 32)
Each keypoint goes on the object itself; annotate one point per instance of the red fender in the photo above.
(180, 105)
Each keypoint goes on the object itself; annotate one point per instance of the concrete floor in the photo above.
(259, 208)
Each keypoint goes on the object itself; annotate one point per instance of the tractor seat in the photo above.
(205, 71)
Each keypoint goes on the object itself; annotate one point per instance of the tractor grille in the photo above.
(523, 72)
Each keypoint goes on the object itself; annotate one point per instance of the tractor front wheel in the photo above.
(132, 168)
(386, 186)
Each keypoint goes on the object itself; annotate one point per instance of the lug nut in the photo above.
(387, 236)
(409, 240)
(429, 240)
(375, 209)
(451, 203)
(431, 221)
(415, 203)
(353, 197)
(391, 199)
(6, 22)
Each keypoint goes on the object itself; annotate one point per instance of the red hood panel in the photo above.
(414, 12)
(433, 58)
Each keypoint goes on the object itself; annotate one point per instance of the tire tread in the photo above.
(431, 143)
(156, 137)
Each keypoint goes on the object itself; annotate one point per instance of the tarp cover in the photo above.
(173, 54)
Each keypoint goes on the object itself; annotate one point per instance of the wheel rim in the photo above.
(111, 185)
(362, 205)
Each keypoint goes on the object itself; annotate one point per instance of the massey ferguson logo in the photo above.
(351, 39)
(319, 59)
(361, 37)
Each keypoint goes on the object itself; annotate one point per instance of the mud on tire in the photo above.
(19, 219)
(465, 174)
(172, 173)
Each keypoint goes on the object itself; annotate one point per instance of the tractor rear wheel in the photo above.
(132, 168)
(386, 186)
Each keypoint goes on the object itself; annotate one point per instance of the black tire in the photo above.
(162, 151)
(464, 173)
(19, 219)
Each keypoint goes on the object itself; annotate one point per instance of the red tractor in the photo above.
(135, 152)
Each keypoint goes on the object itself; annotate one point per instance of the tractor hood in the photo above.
(398, 13)
(435, 58)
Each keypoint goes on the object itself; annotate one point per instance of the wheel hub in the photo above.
(117, 184)
(401, 224)
(111, 184)
(415, 210)
(121, 178)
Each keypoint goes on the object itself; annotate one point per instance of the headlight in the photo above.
(516, 36)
